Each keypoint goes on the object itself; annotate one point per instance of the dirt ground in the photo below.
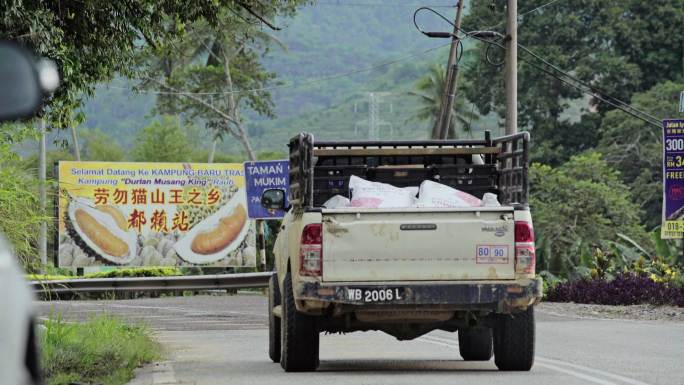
(634, 312)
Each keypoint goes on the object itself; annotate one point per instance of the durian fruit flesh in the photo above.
(116, 214)
(98, 231)
(213, 227)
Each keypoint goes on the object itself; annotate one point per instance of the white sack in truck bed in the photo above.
(337, 202)
(378, 195)
(431, 194)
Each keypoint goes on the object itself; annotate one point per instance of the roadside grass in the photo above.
(102, 350)
(117, 273)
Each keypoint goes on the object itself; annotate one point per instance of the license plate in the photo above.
(491, 254)
(376, 295)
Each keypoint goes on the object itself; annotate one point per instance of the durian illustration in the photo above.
(217, 235)
(197, 213)
(101, 231)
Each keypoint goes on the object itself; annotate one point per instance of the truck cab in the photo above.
(405, 271)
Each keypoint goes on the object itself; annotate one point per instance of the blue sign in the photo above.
(261, 176)
(673, 179)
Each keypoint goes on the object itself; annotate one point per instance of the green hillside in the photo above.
(336, 54)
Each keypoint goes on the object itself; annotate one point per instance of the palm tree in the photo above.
(430, 91)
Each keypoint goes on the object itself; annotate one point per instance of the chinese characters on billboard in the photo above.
(153, 214)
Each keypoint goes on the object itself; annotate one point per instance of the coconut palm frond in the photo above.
(429, 92)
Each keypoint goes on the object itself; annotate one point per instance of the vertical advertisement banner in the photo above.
(673, 179)
(153, 214)
(261, 176)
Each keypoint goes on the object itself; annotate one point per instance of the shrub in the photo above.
(577, 208)
(19, 206)
(624, 289)
(116, 273)
(101, 350)
(137, 272)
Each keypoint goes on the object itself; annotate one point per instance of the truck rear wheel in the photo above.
(299, 335)
(273, 321)
(475, 344)
(514, 341)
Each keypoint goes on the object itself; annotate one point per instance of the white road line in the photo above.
(576, 374)
(183, 310)
(218, 322)
(105, 306)
(192, 312)
(424, 339)
(550, 363)
(592, 370)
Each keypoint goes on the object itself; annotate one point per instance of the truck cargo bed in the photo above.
(418, 244)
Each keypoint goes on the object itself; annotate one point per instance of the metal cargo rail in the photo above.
(193, 282)
(322, 169)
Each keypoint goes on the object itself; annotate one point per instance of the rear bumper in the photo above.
(497, 296)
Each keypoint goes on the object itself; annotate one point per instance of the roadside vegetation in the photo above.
(115, 273)
(620, 272)
(596, 176)
(102, 350)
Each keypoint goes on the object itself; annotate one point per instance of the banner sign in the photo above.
(153, 214)
(673, 179)
(261, 176)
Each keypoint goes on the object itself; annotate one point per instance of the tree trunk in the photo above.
(74, 139)
(245, 142)
(212, 152)
(435, 130)
(451, 133)
(233, 109)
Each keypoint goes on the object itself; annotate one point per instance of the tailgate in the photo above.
(418, 244)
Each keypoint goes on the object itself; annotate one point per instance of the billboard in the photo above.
(261, 176)
(673, 179)
(153, 214)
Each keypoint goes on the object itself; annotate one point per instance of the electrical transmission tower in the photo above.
(375, 123)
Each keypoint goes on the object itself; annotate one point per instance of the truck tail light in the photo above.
(525, 258)
(311, 250)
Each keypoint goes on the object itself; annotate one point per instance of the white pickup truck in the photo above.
(405, 271)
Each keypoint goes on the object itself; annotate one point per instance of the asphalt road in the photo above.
(223, 340)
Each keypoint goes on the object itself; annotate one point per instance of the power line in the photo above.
(589, 90)
(295, 84)
(593, 94)
(538, 8)
(521, 15)
(592, 91)
(591, 87)
(357, 4)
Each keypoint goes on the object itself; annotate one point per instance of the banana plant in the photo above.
(670, 250)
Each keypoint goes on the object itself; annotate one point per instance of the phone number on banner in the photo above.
(673, 229)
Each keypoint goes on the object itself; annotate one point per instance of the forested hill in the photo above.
(336, 53)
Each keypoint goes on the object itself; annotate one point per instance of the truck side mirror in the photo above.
(273, 199)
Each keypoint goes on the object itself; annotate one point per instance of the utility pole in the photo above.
(42, 236)
(511, 73)
(451, 77)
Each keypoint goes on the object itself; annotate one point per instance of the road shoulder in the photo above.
(607, 312)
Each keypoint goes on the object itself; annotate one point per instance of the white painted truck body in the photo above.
(417, 244)
(406, 271)
(436, 246)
